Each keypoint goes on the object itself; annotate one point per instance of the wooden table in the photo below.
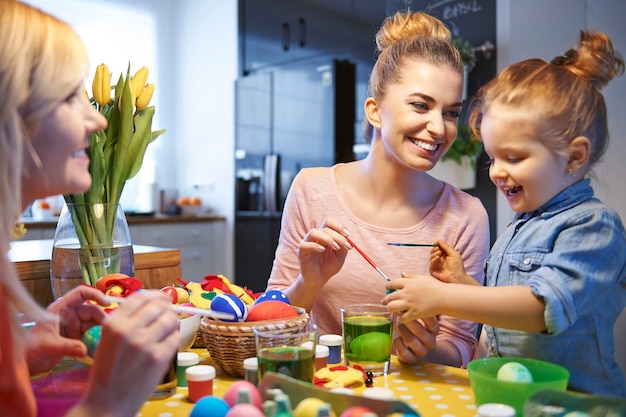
(155, 267)
(431, 390)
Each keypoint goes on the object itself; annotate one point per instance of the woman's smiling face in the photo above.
(528, 173)
(418, 116)
(60, 142)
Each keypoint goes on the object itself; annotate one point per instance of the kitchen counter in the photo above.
(132, 219)
(156, 267)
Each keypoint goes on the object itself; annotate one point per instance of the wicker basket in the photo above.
(230, 343)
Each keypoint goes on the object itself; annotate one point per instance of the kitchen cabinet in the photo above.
(200, 242)
(275, 32)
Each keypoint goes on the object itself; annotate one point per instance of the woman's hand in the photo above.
(76, 313)
(49, 341)
(414, 339)
(138, 344)
(322, 253)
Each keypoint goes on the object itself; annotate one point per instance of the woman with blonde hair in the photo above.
(45, 123)
(414, 103)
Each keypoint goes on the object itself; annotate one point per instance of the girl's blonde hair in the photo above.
(561, 99)
(407, 36)
(41, 60)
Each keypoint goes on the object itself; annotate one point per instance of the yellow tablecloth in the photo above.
(432, 390)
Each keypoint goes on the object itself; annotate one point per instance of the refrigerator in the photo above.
(287, 118)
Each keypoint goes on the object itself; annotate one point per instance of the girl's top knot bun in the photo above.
(595, 60)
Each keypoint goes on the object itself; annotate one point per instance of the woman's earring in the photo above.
(569, 171)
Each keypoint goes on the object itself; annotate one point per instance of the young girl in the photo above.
(557, 276)
(412, 113)
(45, 123)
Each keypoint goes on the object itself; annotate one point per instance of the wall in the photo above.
(205, 56)
(555, 26)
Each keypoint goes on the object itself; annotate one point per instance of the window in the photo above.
(116, 34)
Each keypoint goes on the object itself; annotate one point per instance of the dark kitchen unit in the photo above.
(288, 118)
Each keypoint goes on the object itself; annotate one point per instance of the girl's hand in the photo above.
(446, 265)
(322, 253)
(414, 298)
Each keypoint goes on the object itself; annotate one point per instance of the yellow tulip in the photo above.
(101, 86)
(139, 81)
(145, 96)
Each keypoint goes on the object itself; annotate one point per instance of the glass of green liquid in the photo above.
(367, 337)
(287, 351)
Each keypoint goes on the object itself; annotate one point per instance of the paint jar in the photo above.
(334, 342)
(321, 356)
(184, 361)
(251, 370)
(200, 381)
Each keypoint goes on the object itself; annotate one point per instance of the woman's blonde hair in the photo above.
(562, 98)
(41, 60)
(407, 36)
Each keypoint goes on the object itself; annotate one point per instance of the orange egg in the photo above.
(271, 310)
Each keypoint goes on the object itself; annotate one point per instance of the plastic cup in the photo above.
(367, 337)
(287, 351)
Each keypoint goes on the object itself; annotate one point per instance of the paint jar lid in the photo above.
(187, 359)
(496, 410)
(331, 340)
(200, 373)
(251, 364)
(321, 351)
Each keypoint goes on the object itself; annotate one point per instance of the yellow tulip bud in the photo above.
(139, 81)
(101, 86)
(145, 96)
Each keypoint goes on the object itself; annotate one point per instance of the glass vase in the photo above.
(90, 241)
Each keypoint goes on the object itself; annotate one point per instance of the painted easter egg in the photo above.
(244, 410)
(241, 389)
(356, 411)
(310, 407)
(271, 310)
(372, 347)
(91, 339)
(514, 372)
(274, 295)
(230, 304)
(210, 406)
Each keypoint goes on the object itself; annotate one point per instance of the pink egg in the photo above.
(244, 410)
(355, 411)
(233, 392)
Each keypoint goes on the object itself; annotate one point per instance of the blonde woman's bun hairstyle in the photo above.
(407, 24)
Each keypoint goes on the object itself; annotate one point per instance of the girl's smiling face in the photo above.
(418, 116)
(528, 173)
(60, 142)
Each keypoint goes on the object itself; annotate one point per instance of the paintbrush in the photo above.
(414, 244)
(368, 259)
(180, 309)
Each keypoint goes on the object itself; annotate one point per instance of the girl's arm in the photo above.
(511, 307)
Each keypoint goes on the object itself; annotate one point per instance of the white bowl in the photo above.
(189, 331)
(187, 210)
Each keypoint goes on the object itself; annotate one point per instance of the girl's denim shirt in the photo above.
(572, 253)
